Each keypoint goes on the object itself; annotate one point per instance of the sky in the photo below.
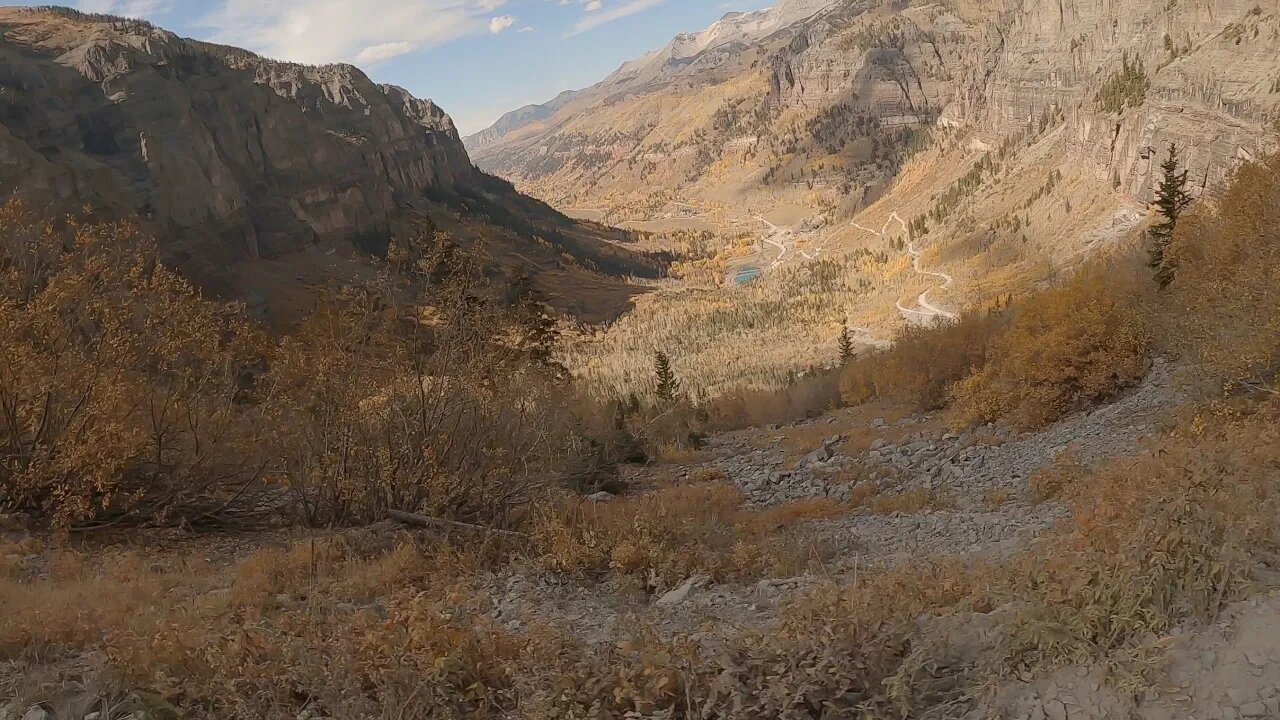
(475, 58)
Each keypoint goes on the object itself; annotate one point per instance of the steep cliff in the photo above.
(235, 158)
(823, 105)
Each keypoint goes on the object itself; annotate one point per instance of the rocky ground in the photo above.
(917, 492)
(912, 491)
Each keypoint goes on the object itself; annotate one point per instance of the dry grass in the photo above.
(373, 625)
(348, 630)
(1061, 476)
(910, 502)
(999, 497)
(666, 536)
(1156, 542)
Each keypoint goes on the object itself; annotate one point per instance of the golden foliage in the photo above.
(923, 362)
(127, 397)
(122, 393)
(1066, 349)
(1224, 311)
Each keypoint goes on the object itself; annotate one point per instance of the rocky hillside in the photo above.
(652, 71)
(257, 176)
(818, 111)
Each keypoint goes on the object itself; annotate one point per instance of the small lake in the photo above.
(746, 275)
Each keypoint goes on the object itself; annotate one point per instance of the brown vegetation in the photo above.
(366, 624)
(1067, 348)
(128, 398)
(665, 536)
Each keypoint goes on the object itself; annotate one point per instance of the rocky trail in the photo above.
(985, 508)
(914, 491)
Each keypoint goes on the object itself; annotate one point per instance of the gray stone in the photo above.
(1253, 709)
(602, 496)
(681, 593)
(35, 712)
(1055, 710)
(821, 455)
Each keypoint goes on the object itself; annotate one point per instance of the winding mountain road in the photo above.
(772, 239)
(926, 310)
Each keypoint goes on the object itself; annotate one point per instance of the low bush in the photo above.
(1066, 349)
(923, 362)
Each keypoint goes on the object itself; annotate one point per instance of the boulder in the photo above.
(681, 593)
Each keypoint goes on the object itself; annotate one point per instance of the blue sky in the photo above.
(475, 58)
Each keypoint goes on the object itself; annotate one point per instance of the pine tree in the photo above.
(846, 344)
(668, 385)
(1171, 199)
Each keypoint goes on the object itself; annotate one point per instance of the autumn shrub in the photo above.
(802, 399)
(125, 397)
(923, 363)
(1066, 349)
(381, 409)
(1223, 309)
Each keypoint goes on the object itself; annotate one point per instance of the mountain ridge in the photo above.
(730, 28)
(232, 158)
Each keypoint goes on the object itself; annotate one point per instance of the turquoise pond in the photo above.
(746, 275)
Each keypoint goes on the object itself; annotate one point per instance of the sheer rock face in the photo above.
(1212, 69)
(231, 155)
(1212, 66)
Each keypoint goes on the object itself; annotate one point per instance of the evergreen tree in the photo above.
(668, 385)
(846, 344)
(1172, 199)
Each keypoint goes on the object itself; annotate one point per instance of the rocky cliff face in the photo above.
(1206, 74)
(823, 104)
(229, 156)
(205, 139)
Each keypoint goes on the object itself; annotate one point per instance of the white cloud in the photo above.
(596, 19)
(126, 8)
(490, 5)
(593, 5)
(500, 23)
(325, 31)
(384, 51)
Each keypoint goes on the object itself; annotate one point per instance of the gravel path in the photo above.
(977, 483)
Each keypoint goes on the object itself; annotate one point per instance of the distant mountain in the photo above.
(517, 119)
(737, 27)
(820, 103)
(257, 175)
